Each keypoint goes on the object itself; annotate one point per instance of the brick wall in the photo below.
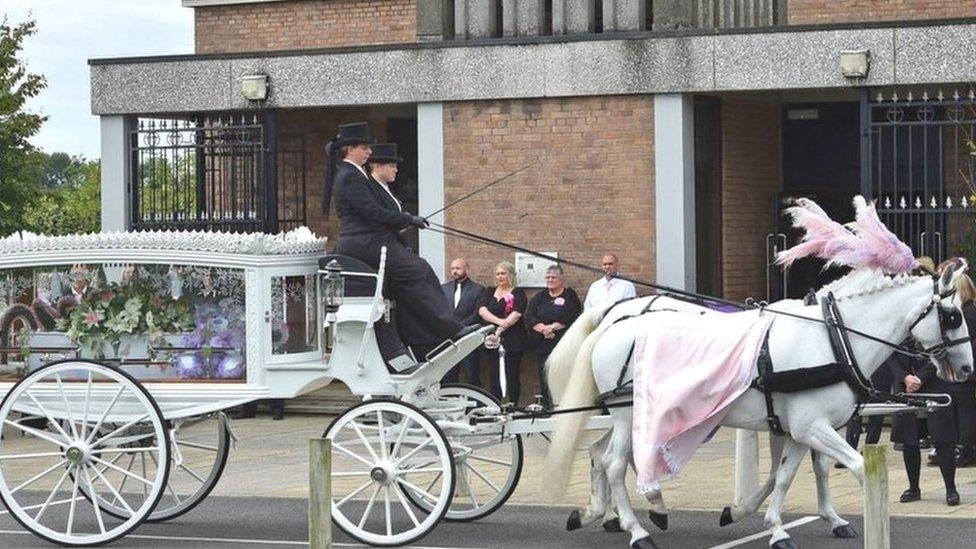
(304, 24)
(841, 11)
(590, 189)
(750, 181)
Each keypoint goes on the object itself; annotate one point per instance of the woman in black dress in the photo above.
(913, 375)
(503, 306)
(548, 315)
(964, 399)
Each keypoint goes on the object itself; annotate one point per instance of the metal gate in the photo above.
(918, 161)
(206, 172)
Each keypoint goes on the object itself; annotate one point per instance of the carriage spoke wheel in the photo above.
(102, 434)
(377, 451)
(200, 447)
(488, 466)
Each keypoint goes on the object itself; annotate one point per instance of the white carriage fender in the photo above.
(230, 429)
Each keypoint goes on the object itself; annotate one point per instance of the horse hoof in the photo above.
(659, 519)
(785, 543)
(613, 525)
(574, 523)
(726, 518)
(644, 543)
(845, 531)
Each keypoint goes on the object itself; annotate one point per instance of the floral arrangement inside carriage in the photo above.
(156, 321)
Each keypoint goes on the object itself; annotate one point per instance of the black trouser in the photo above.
(424, 316)
(853, 434)
(513, 360)
(469, 364)
(964, 408)
(540, 362)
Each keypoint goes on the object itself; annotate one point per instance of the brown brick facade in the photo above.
(802, 12)
(750, 181)
(304, 24)
(590, 189)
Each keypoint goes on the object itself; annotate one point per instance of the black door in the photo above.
(821, 161)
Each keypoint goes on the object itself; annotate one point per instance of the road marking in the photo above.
(264, 542)
(761, 535)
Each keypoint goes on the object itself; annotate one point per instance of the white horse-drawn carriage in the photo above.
(120, 352)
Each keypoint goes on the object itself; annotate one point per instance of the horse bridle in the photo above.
(950, 318)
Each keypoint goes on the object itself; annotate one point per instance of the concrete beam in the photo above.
(623, 15)
(430, 175)
(115, 135)
(573, 16)
(674, 190)
(524, 68)
(475, 18)
(523, 17)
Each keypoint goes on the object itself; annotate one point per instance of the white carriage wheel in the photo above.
(376, 446)
(76, 398)
(200, 447)
(486, 464)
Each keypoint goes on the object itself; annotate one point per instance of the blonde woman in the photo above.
(503, 306)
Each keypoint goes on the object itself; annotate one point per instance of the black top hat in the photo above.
(384, 153)
(353, 134)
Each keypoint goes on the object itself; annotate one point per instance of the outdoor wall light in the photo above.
(254, 87)
(855, 63)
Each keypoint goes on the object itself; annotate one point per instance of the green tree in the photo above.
(18, 165)
(73, 206)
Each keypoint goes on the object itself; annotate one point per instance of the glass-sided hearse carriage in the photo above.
(119, 352)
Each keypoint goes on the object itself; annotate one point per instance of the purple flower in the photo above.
(190, 366)
(228, 366)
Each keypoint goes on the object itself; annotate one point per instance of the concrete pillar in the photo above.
(475, 18)
(623, 15)
(674, 189)
(430, 170)
(523, 17)
(320, 493)
(573, 16)
(116, 203)
(435, 20)
(877, 525)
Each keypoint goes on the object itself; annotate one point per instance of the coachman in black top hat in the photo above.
(372, 217)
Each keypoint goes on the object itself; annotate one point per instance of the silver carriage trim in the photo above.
(297, 241)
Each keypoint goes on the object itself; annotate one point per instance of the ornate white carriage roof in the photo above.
(297, 241)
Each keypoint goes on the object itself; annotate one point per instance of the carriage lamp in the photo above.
(333, 289)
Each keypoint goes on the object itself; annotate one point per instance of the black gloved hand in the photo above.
(419, 221)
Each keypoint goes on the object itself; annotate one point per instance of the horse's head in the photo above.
(941, 331)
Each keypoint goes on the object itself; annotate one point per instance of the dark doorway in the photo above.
(708, 195)
(821, 161)
(403, 132)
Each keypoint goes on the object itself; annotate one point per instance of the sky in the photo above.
(69, 33)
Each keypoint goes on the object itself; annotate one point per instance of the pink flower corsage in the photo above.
(509, 303)
(559, 301)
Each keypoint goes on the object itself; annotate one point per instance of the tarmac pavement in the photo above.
(261, 501)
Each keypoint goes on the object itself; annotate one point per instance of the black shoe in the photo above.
(966, 461)
(466, 331)
(925, 443)
(277, 412)
(910, 495)
(952, 498)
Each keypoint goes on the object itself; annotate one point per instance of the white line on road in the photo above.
(265, 542)
(761, 535)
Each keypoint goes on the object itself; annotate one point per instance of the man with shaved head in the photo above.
(462, 293)
(609, 289)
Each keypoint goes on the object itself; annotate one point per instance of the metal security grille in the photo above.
(291, 181)
(201, 172)
(918, 162)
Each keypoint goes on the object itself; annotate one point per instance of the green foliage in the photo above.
(18, 164)
(73, 205)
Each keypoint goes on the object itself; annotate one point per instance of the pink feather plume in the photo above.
(823, 237)
(878, 247)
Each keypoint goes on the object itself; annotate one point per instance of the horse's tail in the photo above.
(570, 376)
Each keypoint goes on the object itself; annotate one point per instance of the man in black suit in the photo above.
(463, 293)
(371, 218)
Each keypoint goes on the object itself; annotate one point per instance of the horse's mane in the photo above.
(861, 282)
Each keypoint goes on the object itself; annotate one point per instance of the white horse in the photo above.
(589, 360)
(854, 281)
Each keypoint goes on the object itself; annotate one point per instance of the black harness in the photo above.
(845, 368)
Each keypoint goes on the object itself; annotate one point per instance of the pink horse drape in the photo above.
(689, 368)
